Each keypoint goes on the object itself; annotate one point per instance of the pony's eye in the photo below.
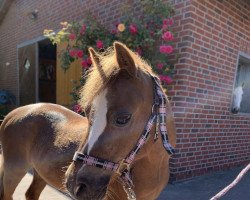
(122, 119)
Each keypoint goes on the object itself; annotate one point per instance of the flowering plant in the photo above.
(149, 35)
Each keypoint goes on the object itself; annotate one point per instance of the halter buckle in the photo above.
(123, 165)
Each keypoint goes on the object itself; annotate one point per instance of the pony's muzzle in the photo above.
(235, 110)
(90, 185)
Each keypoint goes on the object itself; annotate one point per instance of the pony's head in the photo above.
(237, 98)
(117, 98)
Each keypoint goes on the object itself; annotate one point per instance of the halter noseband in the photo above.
(122, 168)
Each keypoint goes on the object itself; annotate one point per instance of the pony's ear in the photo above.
(94, 57)
(243, 85)
(124, 58)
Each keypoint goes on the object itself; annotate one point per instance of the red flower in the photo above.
(79, 54)
(165, 22)
(77, 108)
(83, 29)
(159, 65)
(166, 49)
(133, 29)
(114, 31)
(89, 61)
(169, 22)
(72, 53)
(167, 36)
(166, 79)
(72, 36)
(84, 64)
(99, 44)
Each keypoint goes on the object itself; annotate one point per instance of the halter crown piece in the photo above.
(122, 168)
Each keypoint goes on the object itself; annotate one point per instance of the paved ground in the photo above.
(48, 193)
(205, 187)
(199, 188)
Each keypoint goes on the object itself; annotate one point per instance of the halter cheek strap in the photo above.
(122, 168)
(161, 117)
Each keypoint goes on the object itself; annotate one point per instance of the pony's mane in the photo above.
(99, 76)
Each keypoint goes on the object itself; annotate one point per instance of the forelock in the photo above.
(98, 77)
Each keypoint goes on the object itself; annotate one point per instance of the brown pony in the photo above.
(118, 99)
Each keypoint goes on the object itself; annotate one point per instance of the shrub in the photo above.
(149, 34)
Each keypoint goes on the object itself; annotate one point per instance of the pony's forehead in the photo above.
(238, 90)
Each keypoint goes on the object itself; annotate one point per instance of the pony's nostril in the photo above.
(80, 188)
(235, 110)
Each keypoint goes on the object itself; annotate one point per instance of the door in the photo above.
(65, 79)
(28, 74)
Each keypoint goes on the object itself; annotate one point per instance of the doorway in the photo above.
(37, 72)
(47, 71)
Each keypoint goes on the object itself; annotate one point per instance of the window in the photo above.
(242, 79)
(27, 65)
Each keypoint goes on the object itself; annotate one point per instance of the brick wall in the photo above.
(209, 35)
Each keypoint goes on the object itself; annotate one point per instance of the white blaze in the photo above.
(238, 92)
(99, 119)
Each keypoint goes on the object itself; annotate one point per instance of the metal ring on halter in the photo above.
(123, 165)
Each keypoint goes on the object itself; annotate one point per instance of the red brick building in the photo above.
(212, 37)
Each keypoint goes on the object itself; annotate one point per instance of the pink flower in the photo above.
(89, 61)
(164, 27)
(84, 64)
(77, 108)
(166, 79)
(72, 36)
(139, 51)
(72, 53)
(99, 44)
(166, 49)
(133, 29)
(165, 22)
(159, 65)
(169, 22)
(83, 29)
(167, 36)
(79, 54)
